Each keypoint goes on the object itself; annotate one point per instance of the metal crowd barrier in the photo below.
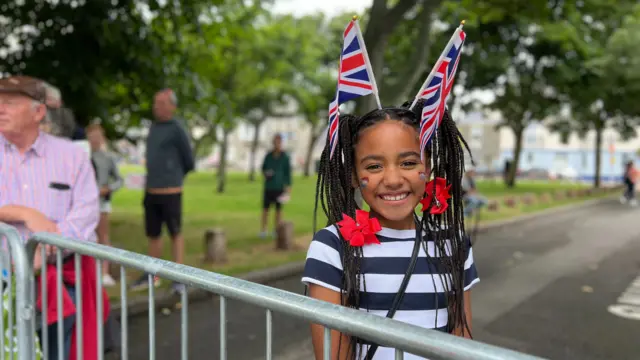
(16, 264)
(386, 332)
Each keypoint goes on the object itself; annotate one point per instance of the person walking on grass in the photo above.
(169, 159)
(277, 185)
(109, 181)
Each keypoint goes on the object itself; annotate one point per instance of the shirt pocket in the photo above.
(59, 203)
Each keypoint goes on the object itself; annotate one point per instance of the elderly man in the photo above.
(168, 159)
(47, 185)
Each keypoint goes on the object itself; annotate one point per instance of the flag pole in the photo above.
(367, 62)
(435, 68)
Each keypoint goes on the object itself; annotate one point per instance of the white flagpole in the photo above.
(367, 62)
(435, 68)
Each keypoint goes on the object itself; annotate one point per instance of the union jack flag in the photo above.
(355, 78)
(437, 87)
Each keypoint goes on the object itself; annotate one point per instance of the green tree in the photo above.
(278, 55)
(315, 86)
(225, 80)
(594, 79)
(103, 55)
(313, 107)
(389, 28)
(506, 52)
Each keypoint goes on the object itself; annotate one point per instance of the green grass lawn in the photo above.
(238, 212)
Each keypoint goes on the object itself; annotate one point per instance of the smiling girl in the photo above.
(363, 265)
(391, 262)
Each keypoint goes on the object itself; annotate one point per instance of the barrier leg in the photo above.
(25, 297)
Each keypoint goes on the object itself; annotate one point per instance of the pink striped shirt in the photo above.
(54, 177)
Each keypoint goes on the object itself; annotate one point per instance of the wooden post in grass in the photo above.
(215, 246)
(284, 236)
(114, 270)
(510, 201)
(546, 198)
(492, 205)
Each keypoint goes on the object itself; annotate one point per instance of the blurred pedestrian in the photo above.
(109, 181)
(472, 199)
(168, 160)
(629, 178)
(276, 169)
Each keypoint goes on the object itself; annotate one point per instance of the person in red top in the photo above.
(630, 178)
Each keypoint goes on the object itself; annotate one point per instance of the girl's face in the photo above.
(387, 157)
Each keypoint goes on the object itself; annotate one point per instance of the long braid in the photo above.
(334, 191)
(447, 231)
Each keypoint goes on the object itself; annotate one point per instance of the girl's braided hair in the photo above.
(335, 193)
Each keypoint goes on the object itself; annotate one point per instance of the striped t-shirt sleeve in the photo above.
(470, 272)
(324, 265)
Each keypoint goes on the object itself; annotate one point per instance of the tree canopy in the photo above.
(234, 61)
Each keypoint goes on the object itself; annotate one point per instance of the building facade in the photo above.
(295, 134)
(544, 150)
(491, 147)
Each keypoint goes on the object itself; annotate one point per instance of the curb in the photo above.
(499, 224)
(139, 305)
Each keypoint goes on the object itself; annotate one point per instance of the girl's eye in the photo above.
(409, 163)
(373, 167)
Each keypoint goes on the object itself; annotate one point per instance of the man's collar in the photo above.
(38, 147)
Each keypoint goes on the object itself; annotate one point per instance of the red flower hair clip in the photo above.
(361, 231)
(441, 196)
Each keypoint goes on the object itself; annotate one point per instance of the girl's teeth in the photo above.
(395, 198)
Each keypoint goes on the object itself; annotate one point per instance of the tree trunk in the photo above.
(383, 20)
(599, 128)
(197, 144)
(313, 138)
(412, 75)
(254, 150)
(513, 172)
(222, 166)
(196, 147)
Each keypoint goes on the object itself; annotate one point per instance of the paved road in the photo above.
(545, 289)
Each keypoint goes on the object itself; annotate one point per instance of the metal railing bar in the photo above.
(386, 332)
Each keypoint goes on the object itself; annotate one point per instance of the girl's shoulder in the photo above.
(328, 236)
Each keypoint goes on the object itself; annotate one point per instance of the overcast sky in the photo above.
(330, 7)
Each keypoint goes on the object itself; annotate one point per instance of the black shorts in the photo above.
(162, 209)
(271, 197)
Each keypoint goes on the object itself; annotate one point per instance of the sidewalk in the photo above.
(525, 253)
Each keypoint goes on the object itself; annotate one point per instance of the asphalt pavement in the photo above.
(547, 288)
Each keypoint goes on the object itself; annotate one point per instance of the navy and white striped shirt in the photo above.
(383, 268)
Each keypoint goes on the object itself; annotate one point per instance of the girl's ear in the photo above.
(427, 165)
